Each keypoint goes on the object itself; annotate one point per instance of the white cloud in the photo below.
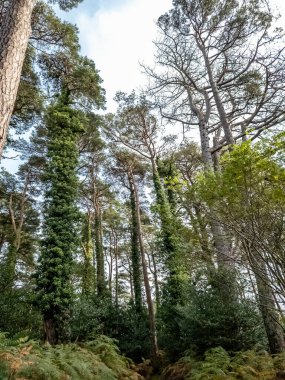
(280, 5)
(118, 39)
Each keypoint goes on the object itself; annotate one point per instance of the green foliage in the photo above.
(131, 330)
(29, 102)
(19, 221)
(211, 318)
(50, 33)
(96, 360)
(18, 315)
(252, 365)
(214, 366)
(109, 353)
(249, 177)
(58, 57)
(88, 317)
(171, 244)
(66, 4)
(92, 316)
(217, 364)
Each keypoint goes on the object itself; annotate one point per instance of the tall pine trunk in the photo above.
(14, 36)
(221, 243)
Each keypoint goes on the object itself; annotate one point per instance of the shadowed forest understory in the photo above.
(146, 243)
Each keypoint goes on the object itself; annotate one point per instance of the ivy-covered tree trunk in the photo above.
(151, 314)
(155, 279)
(170, 239)
(53, 276)
(15, 30)
(135, 257)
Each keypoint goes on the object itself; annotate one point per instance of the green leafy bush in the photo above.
(210, 319)
(18, 314)
(93, 316)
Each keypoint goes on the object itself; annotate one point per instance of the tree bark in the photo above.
(14, 37)
(50, 333)
(205, 143)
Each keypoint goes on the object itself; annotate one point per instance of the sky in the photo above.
(118, 34)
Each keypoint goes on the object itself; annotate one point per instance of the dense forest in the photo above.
(128, 248)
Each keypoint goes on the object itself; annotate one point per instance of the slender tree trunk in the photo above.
(14, 36)
(110, 263)
(87, 246)
(166, 217)
(216, 155)
(205, 143)
(116, 250)
(155, 278)
(130, 271)
(101, 285)
(151, 314)
(267, 306)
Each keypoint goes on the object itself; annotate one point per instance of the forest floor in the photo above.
(101, 360)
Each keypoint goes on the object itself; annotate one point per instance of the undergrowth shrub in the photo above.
(217, 364)
(92, 317)
(211, 318)
(18, 314)
(96, 360)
